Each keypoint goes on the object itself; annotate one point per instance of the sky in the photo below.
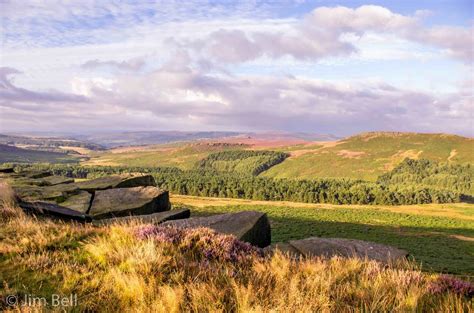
(333, 67)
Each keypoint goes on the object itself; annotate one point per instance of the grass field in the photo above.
(439, 236)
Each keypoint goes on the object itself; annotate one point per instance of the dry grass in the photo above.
(115, 269)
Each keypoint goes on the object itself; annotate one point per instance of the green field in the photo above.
(440, 237)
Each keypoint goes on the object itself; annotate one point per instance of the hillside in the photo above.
(19, 155)
(368, 155)
(183, 155)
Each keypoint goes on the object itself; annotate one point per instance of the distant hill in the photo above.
(124, 139)
(368, 155)
(12, 154)
(46, 143)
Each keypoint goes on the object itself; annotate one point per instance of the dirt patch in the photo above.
(298, 153)
(452, 154)
(326, 144)
(348, 154)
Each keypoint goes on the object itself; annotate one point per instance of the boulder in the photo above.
(117, 181)
(250, 226)
(79, 202)
(53, 210)
(329, 247)
(155, 218)
(129, 201)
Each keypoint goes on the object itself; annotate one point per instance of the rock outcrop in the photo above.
(250, 226)
(117, 181)
(329, 247)
(79, 202)
(54, 210)
(129, 201)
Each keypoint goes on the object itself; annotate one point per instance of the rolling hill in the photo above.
(364, 156)
(368, 155)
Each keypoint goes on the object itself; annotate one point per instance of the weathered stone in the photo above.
(129, 201)
(155, 218)
(329, 247)
(53, 210)
(249, 226)
(80, 202)
(117, 181)
(8, 169)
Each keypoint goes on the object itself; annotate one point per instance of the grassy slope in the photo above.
(441, 237)
(182, 155)
(366, 156)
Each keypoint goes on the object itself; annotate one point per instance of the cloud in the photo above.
(320, 34)
(11, 95)
(126, 73)
(180, 97)
(134, 64)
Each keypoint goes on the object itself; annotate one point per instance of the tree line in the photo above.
(426, 173)
(211, 183)
(242, 161)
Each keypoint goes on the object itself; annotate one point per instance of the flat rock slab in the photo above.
(329, 247)
(53, 210)
(250, 226)
(129, 201)
(80, 202)
(117, 181)
(155, 218)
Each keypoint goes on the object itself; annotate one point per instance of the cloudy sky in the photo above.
(338, 67)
